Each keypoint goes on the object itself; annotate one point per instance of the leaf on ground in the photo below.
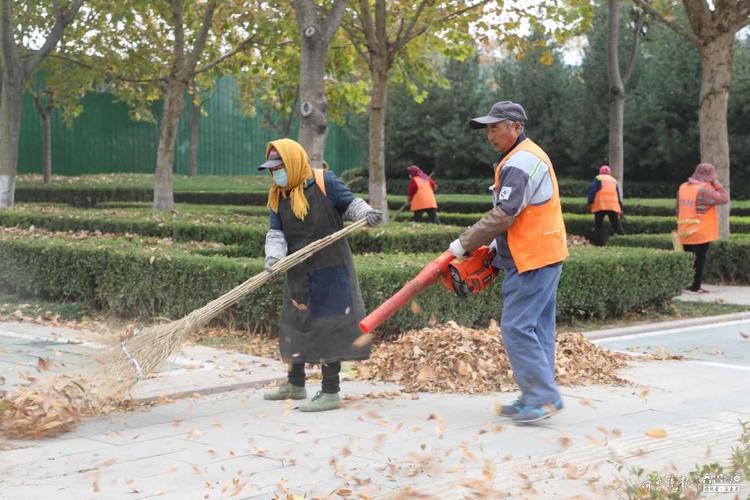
(656, 433)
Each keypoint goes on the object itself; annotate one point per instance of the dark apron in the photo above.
(322, 300)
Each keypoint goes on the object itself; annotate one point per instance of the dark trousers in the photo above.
(614, 220)
(699, 264)
(330, 376)
(432, 215)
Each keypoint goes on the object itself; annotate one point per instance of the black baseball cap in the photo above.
(500, 111)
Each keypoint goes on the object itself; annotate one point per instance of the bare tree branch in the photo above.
(179, 33)
(200, 41)
(368, 25)
(241, 46)
(448, 17)
(113, 76)
(676, 27)
(333, 20)
(635, 49)
(62, 20)
(400, 41)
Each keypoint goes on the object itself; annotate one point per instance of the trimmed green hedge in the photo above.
(90, 196)
(132, 280)
(728, 260)
(583, 225)
(568, 187)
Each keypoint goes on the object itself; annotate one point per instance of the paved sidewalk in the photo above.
(196, 370)
(725, 294)
(444, 446)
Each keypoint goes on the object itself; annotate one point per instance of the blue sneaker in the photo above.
(531, 414)
(511, 408)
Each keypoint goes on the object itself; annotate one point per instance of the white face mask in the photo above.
(280, 177)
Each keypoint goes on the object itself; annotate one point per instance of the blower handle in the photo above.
(431, 273)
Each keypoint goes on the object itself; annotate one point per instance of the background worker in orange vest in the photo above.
(421, 194)
(605, 198)
(526, 226)
(697, 218)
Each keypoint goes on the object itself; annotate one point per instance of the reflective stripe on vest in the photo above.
(606, 197)
(695, 228)
(424, 198)
(318, 175)
(537, 236)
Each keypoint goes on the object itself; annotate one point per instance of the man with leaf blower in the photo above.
(322, 299)
(526, 227)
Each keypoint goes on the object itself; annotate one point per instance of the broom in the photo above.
(58, 404)
(138, 356)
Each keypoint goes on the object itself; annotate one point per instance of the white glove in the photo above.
(374, 217)
(493, 246)
(457, 249)
(275, 248)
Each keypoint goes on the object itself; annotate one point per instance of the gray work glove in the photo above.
(275, 248)
(359, 209)
(374, 217)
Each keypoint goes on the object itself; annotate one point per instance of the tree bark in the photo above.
(316, 34)
(15, 73)
(616, 91)
(716, 75)
(313, 128)
(376, 158)
(174, 101)
(195, 123)
(47, 148)
(10, 124)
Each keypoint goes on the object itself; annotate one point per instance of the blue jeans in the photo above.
(528, 330)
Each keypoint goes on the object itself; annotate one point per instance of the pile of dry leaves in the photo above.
(451, 358)
(42, 410)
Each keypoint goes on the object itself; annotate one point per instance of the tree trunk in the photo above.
(47, 148)
(376, 167)
(174, 101)
(616, 92)
(10, 125)
(313, 129)
(195, 123)
(716, 74)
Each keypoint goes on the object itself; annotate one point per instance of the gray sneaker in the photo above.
(286, 391)
(322, 401)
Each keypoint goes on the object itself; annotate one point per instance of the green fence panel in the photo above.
(104, 139)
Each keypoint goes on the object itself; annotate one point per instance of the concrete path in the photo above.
(196, 370)
(673, 415)
(725, 294)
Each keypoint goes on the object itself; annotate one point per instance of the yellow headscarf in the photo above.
(298, 170)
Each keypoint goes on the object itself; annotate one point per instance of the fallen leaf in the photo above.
(43, 364)
(656, 433)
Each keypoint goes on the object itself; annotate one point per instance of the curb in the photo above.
(665, 325)
(205, 391)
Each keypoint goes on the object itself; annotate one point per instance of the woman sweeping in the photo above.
(322, 300)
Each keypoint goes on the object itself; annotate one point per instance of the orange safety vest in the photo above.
(424, 198)
(692, 227)
(606, 197)
(537, 236)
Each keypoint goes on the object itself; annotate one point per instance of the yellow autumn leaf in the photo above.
(656, 433)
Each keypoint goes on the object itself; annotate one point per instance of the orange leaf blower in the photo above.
(464, 277)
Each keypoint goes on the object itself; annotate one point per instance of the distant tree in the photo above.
(21, 23)
(712, 28)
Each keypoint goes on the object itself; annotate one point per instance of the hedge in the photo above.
(246, 239)
(88, 197)
(728, 260)
(135, 281)
(583, 225)
(568, 187)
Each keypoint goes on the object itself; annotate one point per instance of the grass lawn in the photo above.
(677, 310)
